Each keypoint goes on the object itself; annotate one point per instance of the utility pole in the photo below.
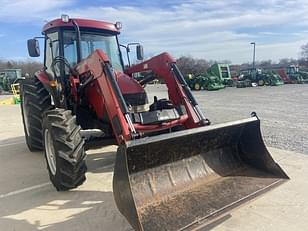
(254, 54)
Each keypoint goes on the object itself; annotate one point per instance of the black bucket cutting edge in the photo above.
(180, 180)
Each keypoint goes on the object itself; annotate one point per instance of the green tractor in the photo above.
(299, 76)
(9, 77)
(223, 72)
(213, 83)
(304, 75)
(250, 77)
(194, 82)
(242, 83)
(259, 77)
(2, 74)
(204, 82)
(272, 78)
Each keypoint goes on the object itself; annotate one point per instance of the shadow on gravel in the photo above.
(50, 210)
(99, 161)
(17, 139)
(89, 207)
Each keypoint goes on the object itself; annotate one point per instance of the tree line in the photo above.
(26, 66)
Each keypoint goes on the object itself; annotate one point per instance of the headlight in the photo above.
(65, 18)
(118, 25)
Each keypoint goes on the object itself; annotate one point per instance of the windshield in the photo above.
(91, 41)
(224, 72)
(292, 70)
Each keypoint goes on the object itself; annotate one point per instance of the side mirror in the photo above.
(33, 47)
(139, 51)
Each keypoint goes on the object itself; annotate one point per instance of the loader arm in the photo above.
(97, 67)
(164, 66)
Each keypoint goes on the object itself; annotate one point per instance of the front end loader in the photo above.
(173, 169)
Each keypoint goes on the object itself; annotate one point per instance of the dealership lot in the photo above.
(29, 202)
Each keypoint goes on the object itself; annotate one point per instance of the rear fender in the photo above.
(42, 76)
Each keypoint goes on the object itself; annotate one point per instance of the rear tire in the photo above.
(35, 100)
(64, 149)
(261, 82)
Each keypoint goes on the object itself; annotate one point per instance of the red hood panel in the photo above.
(127, 84)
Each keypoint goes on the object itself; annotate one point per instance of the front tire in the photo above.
(197, 86)
(35, 100)
(64, 149)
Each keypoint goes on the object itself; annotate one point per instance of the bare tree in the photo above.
(265, 64)
(27, 66)
(189, 65)
(304, 51)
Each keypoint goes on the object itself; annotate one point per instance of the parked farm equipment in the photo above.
(258, 77)
(272, 78)
(173, 170)
(204, 82)
(15, 99)
(297, 75)
(291, 74)
(9, 84)
(284, 76)
(9, 77)
(223, 72)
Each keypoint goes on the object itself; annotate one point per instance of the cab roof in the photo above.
(83, 23)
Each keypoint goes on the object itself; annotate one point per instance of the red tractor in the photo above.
(173, 170)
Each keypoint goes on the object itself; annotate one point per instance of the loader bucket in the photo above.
(182, 180)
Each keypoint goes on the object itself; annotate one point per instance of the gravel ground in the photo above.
(283, 111)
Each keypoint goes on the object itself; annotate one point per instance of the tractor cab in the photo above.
(292, 69)
(75, 39)
(69, 41)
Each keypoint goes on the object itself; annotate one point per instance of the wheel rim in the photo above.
(50, 152)
(261, 82)
(25, 114)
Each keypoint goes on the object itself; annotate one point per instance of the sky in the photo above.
(209, 29)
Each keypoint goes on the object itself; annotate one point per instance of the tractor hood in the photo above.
(127, 84)
(132, 91)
